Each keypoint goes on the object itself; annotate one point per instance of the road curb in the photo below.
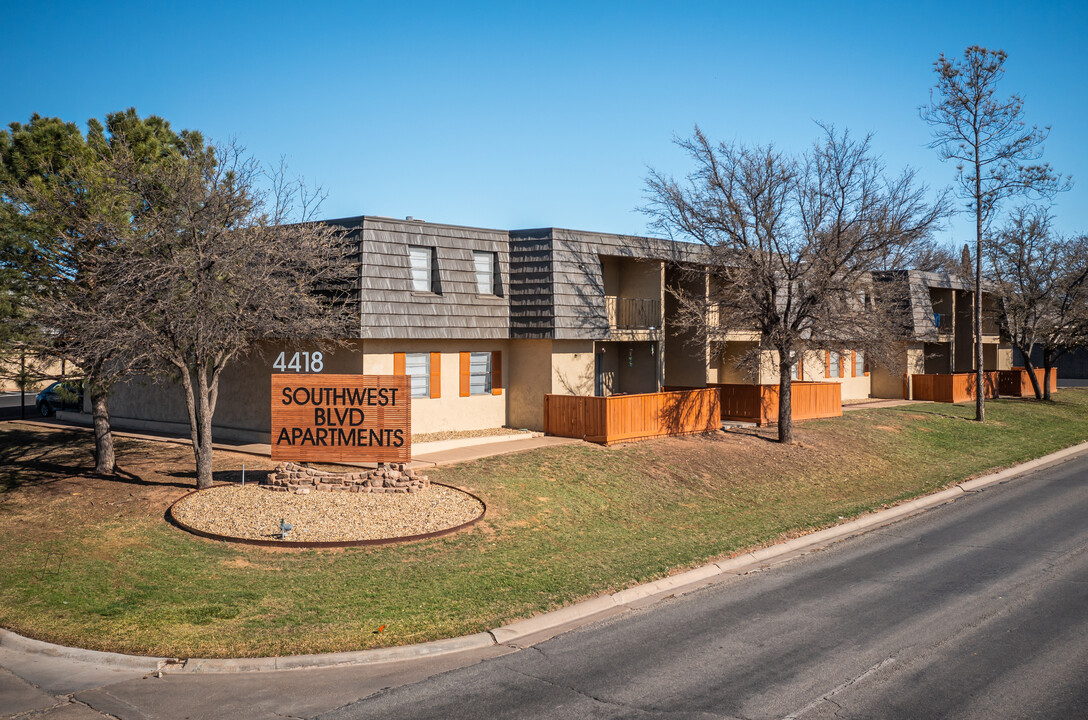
(538, 627)
(137, 663)
(354, 657)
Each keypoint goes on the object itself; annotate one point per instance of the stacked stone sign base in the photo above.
(391, 478)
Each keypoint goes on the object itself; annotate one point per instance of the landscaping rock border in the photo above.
(391, 478)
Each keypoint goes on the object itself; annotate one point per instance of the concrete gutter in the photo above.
(541, 627)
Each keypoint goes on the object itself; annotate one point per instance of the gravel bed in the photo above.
(462, 434)
(254, 513)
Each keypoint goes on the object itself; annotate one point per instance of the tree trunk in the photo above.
(785, 403)
(103, 439)
(1047, 362)
(203, 446)
(1031, 374)
(980, 387)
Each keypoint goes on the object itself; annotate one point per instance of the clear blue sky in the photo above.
(515, 115)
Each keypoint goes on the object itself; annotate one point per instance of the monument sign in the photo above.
(341, 418)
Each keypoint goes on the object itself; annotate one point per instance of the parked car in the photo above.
(61, 395)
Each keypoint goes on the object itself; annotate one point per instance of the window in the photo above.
(484, 263)
(425, 370)
(834, 365)
(418, 365)
(796, 373)
(479, 373)
(421, 261)
(859, 364)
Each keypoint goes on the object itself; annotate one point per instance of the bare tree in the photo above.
(791, 243)
(993, 148)
(1025, 262)
(1066, 323)
(209, 266)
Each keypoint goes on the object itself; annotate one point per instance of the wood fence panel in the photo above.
(621, 418)
(1017, 382)
(740, 402)
(953, 388)
(759, 403)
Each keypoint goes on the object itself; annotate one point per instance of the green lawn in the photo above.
(91, 562)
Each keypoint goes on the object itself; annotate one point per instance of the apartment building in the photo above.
(487, 322)
(939, 318)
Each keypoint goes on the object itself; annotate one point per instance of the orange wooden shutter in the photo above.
(398, 363)
(464, 374)
(801, 367)
(496, 372)
(436, 375)
(853, 363)
(827, 363)
(866, 361)
(842, 368)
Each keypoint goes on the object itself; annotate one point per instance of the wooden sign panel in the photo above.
(341, 418)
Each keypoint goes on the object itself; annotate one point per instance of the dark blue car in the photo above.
(61, 395)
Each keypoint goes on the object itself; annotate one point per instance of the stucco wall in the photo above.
(572, 367)
(963, 354)
(814, 367)
(242, 410)
(530, 365)
(728, 365)
(938, 358)
(450, 411)
(632, 278)
(1004, 357)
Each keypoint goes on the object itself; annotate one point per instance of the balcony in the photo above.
(633, 313)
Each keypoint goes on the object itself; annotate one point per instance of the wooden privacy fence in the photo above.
(759, 403)
(954, 388)
(1017, 382)
(623, 418)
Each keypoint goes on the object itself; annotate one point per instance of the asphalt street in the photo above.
(975, 609)
(9, 406)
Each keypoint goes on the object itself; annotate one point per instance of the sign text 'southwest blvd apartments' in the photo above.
(341, 418)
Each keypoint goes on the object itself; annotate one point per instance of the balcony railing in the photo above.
(633, 313)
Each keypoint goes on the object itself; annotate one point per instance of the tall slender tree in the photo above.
(994, 150)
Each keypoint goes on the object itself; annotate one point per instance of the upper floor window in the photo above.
(421, 261)
(484, 264)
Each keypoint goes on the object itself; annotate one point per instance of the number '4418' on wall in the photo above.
(301, 362)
